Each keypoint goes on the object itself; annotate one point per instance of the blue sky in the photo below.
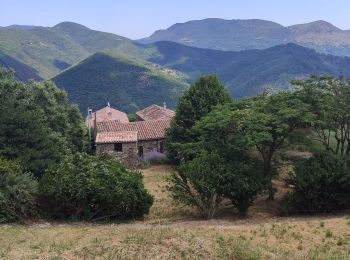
(139, 18)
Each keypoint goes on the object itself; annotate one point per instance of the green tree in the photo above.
(329, 100)
(37, 125)
(196, 102)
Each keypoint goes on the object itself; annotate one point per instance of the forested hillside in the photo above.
(126, 84)
(130, 85)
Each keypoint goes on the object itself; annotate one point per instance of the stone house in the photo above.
(106, 114)
(155, 112)
(129, 142)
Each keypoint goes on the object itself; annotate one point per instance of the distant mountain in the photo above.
(130, 83)
(49, 50)
(249, 72)
(23, 72)
(127, 84)
(236, 35)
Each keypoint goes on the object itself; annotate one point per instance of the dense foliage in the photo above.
(196, 102)
(320, 184)
(37, 125)
(18, 192)
(93, 188)
(329, 100)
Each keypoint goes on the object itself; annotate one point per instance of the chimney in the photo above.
(164, 105)
(90, 112)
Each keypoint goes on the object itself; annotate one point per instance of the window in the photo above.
(140, 151)
(161, 146)
(118, 147)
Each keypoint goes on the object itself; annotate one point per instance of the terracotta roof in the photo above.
(146, 130)
(107, 114)
(116, 137)
(155, 112)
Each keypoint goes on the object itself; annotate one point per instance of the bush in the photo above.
(196, 183)
(18, 192)
(320, 184)
(93, 188)
(155, 158)
(207, 179)
(243, 182)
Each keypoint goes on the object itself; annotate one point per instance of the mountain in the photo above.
(49, 50)
(249, 72)
(236, 35)
(22, 71)
(132, 83)
(127, 84)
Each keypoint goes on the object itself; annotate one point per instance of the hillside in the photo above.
(249, 72)
(128, 85)
(23, 72)
(49, 50)
(158, 73)
(236, 35)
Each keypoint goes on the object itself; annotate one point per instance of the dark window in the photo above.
(118, 147)
(140, 151)
(161, 147)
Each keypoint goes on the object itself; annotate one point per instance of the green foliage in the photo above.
(37, 125)
(196, 102)
(93, 188)
(18, 192)
(320, 184)
(329, 100)
(132, 117)
(197, 183)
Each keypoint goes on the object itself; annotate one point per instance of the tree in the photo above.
(271, 123)
(38, 125)
(329, 100)
(264, 122)
(196, 102)
(196, 183)
(223, 165)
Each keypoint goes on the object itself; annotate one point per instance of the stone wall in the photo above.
(150, 145)
(128, 156)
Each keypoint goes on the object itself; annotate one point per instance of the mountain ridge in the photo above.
(240, 34)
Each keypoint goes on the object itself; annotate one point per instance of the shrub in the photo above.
(196, 183)
(243, 182)
(320, 184)
(18, 192)
(154, 158)
(93, 188)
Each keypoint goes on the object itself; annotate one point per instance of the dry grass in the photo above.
(174, 232)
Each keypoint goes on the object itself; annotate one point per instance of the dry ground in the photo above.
(174, 232)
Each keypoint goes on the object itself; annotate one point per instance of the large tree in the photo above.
(329, 100)
(202, 96)
(37, 125)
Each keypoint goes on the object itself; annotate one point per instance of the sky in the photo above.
(136, 19)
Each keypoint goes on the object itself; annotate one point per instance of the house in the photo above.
(129, 142)
(155, 112)
(106, 114)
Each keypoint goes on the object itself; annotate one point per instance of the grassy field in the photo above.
(171, 231)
